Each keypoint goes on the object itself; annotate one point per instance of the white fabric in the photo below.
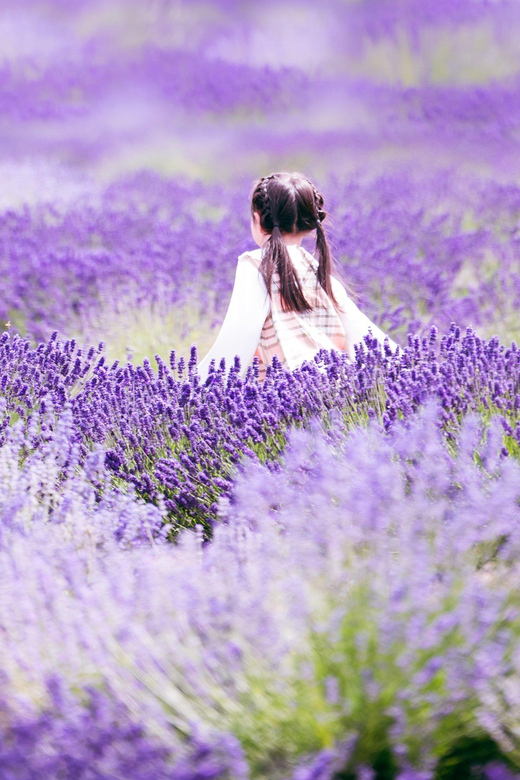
(247, 312)
(355, 323)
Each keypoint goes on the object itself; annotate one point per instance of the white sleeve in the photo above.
(243, 323)
(355, 323)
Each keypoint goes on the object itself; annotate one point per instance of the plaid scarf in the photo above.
(297, 336)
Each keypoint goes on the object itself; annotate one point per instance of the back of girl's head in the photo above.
(288, 199)
(290, 203)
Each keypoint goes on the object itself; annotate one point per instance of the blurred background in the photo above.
(131, 134)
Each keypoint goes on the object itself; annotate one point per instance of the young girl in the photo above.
(285, 301)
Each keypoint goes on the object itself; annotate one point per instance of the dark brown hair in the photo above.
(290, 203)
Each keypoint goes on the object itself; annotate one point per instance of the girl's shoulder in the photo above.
(253, 256)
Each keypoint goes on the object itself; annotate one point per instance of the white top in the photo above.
(248, 310)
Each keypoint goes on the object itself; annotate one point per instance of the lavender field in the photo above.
(316, 577)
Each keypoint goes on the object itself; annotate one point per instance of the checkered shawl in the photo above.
(297, 336)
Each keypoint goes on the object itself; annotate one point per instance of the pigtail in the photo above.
(326, 265)
(278, 211)
(322, 251)
(291, 294)
(289, 203)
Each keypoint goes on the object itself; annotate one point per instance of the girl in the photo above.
(285, 301)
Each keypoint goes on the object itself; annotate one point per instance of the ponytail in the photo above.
(290, 203)
(324, 261)
(276, 257)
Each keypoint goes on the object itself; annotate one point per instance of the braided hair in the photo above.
(290, 203)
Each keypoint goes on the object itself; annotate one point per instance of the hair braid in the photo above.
(288, 203)
(318, 205)
(267, 210)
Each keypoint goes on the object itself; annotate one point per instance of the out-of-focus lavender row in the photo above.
(144, 243)
(376, 634)
(403, 102)
(217, 88)
(418, 250)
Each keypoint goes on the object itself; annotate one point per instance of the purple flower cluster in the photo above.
(355, 614)
(61, 265)
(143, 244)
(209, 77)
(180, 78)
(178, 443)
(442, 239)
(99, 738)
(46, 483)
(175, 439)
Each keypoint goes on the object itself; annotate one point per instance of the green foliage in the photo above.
(467, 757)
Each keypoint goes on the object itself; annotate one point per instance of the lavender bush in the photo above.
(149, 256)
(371, 571)
(177, 442)
(358, 604)
(140, 256)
